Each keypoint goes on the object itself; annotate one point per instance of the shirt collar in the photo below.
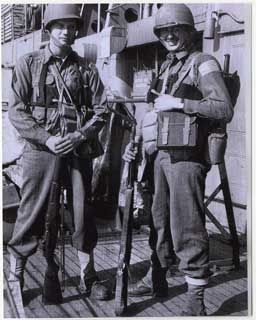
(179, 55)
(48, 54)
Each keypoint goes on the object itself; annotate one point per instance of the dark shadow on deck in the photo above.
(232, 305)
(30, 294)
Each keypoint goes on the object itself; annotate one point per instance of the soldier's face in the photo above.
(174, 38)
(63, 32)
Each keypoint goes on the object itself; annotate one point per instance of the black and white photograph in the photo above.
(126, 159)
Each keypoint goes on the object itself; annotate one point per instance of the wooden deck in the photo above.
(226, 294)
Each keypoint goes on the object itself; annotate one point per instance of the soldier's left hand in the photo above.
(165, 102)
(68, 143)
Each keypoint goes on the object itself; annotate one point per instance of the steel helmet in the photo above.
(173, 14)
(55, 12)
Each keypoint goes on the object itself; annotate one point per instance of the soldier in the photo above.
(36, 89)
(189, 89)
(154, 282)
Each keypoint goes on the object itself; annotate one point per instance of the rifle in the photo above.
(62, 239)
(126, 233)
(51, 289)
(232, 81)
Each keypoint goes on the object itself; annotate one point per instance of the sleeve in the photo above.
(216, 103)
(19, 111)
(97, 99)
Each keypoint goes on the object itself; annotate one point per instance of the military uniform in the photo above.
(180, 173)
(33, 102)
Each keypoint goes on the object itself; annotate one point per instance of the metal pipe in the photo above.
(98, 19)
(140, 11)
(81, 10)
(25, 16)
(221, 13)
(42, 16)
(107, 22)
(156, 60)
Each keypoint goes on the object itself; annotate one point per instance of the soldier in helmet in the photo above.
(39, 80)
(190, 99)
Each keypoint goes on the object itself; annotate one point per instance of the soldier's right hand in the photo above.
(52, 142)
(130, 153)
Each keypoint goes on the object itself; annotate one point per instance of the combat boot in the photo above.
(153, 284)
(91, 285)
(17, 267)
(141, 288)
(89, 282)
(195, 301)
(99, 290)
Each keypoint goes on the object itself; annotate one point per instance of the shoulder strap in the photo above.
(166, 74)
(163, 69)
(59, 81)
(191, 63)
(36, 72)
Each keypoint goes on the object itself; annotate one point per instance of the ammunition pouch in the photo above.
(217, 143)
(41, 114)
(149, 132)
(71, 118)
(176, 130)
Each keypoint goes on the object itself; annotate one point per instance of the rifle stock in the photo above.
(124, 255)
(126, 240)
(51, 288)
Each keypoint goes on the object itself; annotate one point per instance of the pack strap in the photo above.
(38, 71)
(186, 131)
(165, 130)
(59, 80)
(166, 74)
(192, 59)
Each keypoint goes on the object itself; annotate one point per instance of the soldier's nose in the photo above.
(169, 37)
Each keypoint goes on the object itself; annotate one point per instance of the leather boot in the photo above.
(91, 285)
(140, 289)
(97, 289)
(17, 267)
(143, 287)
(195, 301)
(153, 284)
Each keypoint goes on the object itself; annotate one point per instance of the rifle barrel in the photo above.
(127, 100)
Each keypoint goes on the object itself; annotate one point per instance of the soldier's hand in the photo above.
(52, 142)
(64, 145)
(130, 153)
(68, 143)
(165, 102)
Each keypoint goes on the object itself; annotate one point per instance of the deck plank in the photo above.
(226, 294)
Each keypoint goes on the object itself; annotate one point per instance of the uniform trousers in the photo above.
(183, 183)
(38, 169)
